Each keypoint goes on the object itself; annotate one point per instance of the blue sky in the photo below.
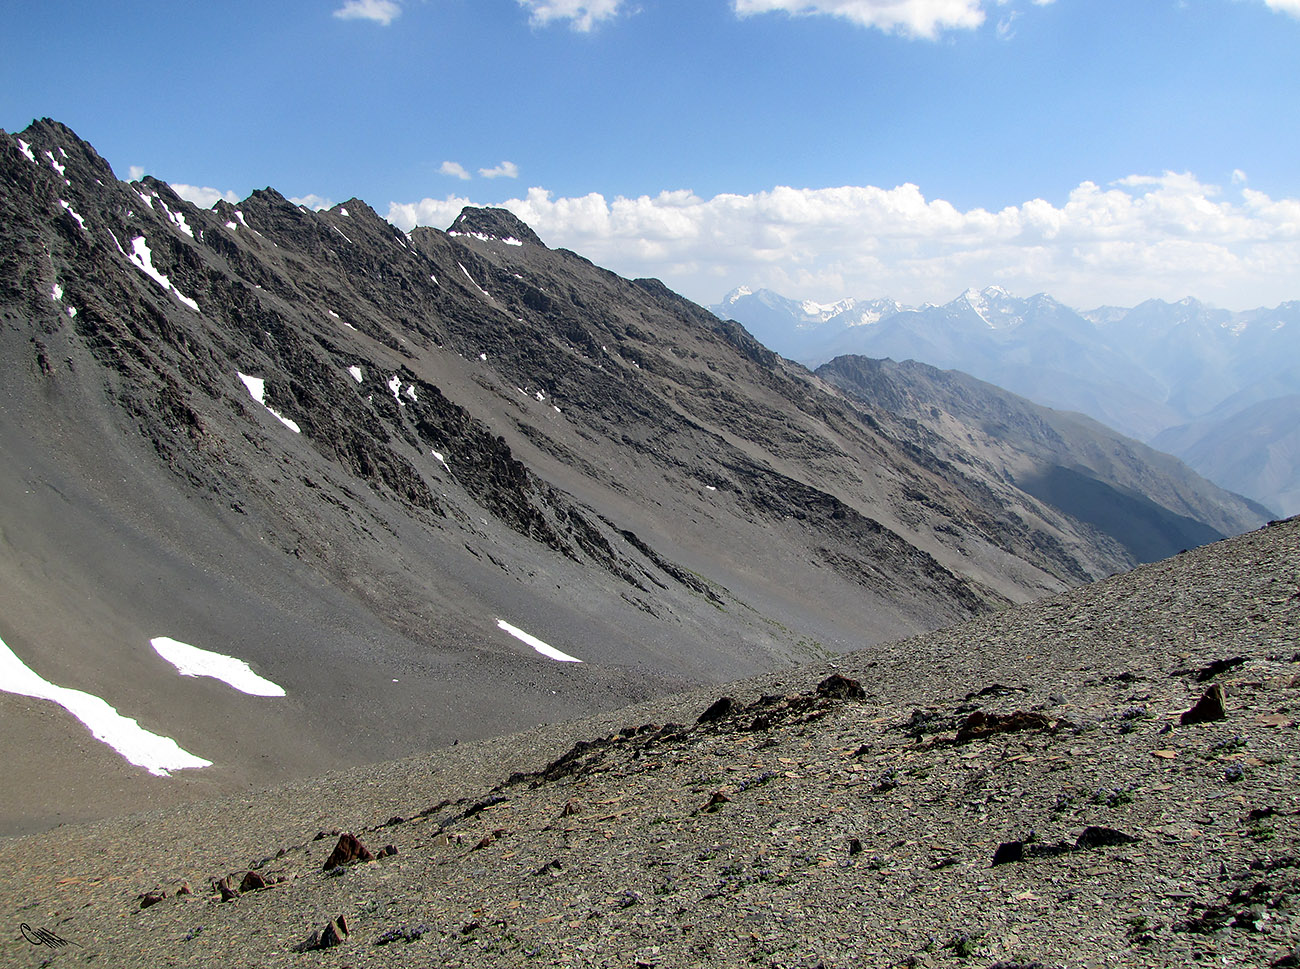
(1101, 151)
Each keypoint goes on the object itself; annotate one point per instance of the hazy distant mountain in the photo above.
(1253, 449)
(1149, 502)
(1142, 370)
(407, 478)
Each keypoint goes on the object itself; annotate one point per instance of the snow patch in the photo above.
(441, 460)
(484, 237)
(192, 661)
(257, 390)
(471, 279)
(54, 163)
(80, 221)
(157, 754)
(550, 652)
(142, 258)
(56, 292)
(357, 375)
(26, 149)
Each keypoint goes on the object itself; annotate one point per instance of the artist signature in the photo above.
(46, 937)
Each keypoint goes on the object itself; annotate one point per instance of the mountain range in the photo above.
(1210, 386)
(290, 490)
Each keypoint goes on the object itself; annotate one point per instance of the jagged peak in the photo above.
(494, 225)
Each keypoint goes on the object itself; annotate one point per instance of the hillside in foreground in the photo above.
(1018, 790)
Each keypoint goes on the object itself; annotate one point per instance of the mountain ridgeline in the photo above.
(1215, 388)
(362, 460)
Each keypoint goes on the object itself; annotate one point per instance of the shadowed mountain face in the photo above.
(1148, 502)
(357, 460)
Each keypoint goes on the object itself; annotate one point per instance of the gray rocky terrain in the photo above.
(355, 459)
(1106, 777)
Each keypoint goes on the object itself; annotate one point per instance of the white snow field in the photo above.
(157, 754)
(550, 652)
(192, 661)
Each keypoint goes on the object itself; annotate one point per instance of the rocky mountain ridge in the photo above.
(1171, 374)
(1149, 502)
(386, 470)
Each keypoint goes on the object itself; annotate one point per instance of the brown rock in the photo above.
(1209, 708)
(840, 687)
(348, 851)
(225, 891)
(980, 725)
(185, 889)
(252, 881)
(718, 710)
(152, 898)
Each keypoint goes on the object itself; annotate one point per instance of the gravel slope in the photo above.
(805, 827)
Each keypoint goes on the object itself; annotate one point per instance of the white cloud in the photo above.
(582, 14)
(380, 11)
(1166, 236)
(1286, 6)
(312, 201)
(135, 173)
(507, 169)
(914, 18)
(455, 169)
(204, 197)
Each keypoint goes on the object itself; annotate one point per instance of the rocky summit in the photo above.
(288, 491)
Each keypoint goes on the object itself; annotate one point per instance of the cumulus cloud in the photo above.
(507, 169)
(380, 11)
(1168, 235)
(202, 196)
(1286, 6)
(454, 169)
(582, 15)
(312, 201)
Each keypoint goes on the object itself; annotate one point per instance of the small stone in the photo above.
(1096, 836)
(1287, 960)
(346, 852)
(1209, 708)
(569, 810)
(716, 801)
(387, 851)
(855, 846)
(185, 889)
(252, 881)
(225, 891)
(1008, 852)
(152, 898)
(980, 725)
